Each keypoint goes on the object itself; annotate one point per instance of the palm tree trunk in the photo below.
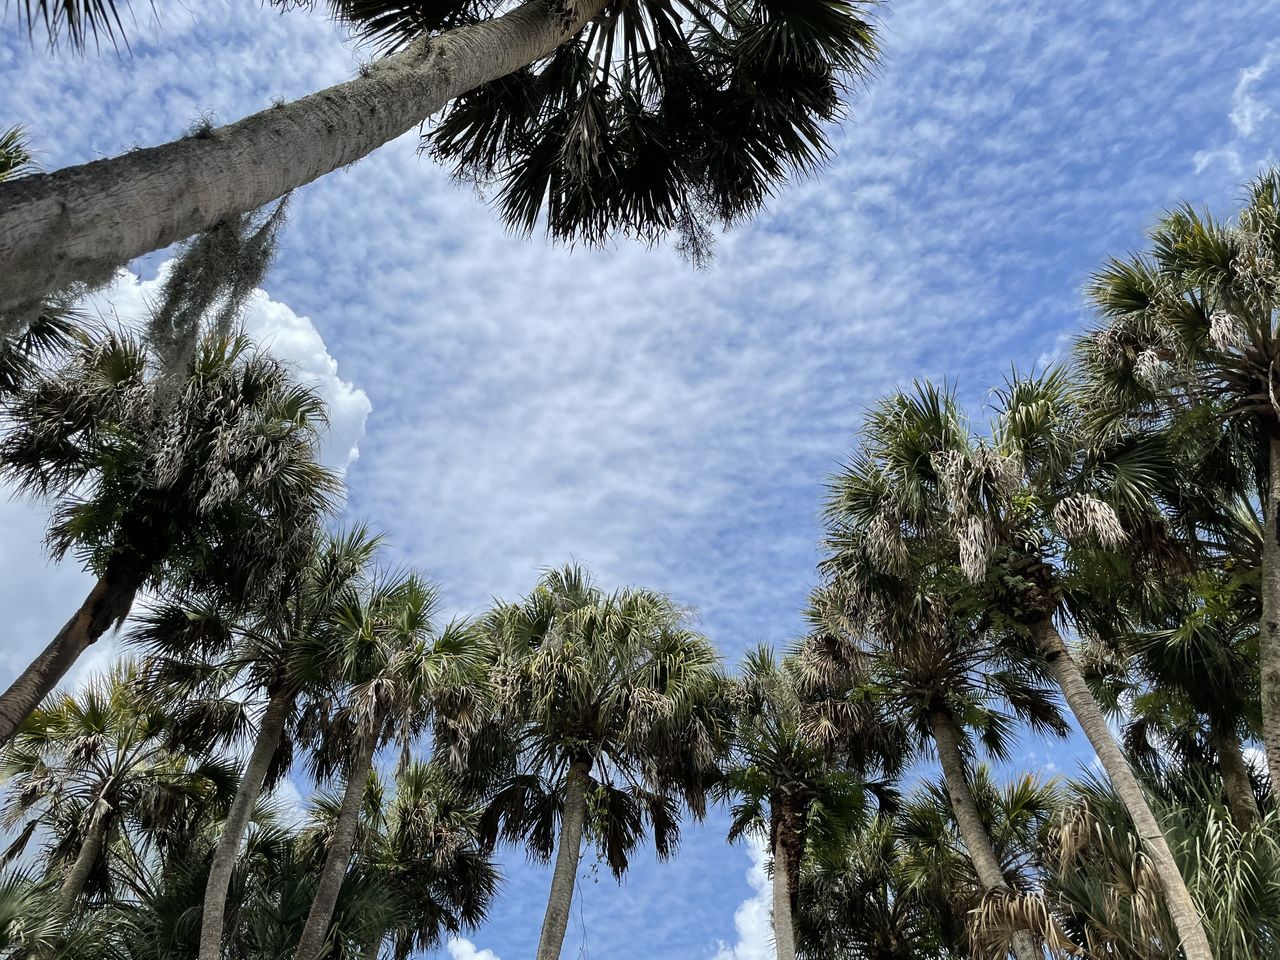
(784, 936)
(311, 943)
(83, 222)
(572, 821)
(1269, 654)
(1182, 908)
(90, 849)
(1235, 778)
(270, 733)
(107, 604)
(973, 831)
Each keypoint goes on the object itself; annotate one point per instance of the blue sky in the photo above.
(516, 404)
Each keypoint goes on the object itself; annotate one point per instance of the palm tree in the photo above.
(86, 766)
(1186, 686)
(205, 659)
(861, 901)
(421, 849)
(946, 680)
(788, 784)
(1188, 332)
(1023, 523)
(396, 662)
(637, 118)
(15, 156)
(222, 490)
(604, 713)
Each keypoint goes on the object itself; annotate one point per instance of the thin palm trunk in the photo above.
(973, 831)
(1235, 779)
(83, 222)
(311, 943)
(1182, 908)
(270, 733)
(107, 604)
(1269, 654)
(77, 877)
(572, 821)
(784, 937)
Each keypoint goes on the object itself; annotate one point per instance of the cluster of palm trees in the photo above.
(1101, 548)
(1105, 557)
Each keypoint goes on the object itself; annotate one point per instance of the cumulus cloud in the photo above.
(753, 918)
(283, 334)
(461, 949)
(39, 595)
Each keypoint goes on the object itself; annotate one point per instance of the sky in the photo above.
(502, 405)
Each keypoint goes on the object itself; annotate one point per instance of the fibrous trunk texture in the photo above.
(311, 943)
(1241, 800)
(784, 937)
(270, 733)
(1269, 654)
(81, 223)
(107, 604)
(973, 830)
(90, 849)
(1182, 908)
(572, 821)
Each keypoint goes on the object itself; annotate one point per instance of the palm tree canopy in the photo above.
(222, 488)
(613, 683)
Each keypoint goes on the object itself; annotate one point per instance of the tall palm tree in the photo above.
(788, 784)
(604, 714)
(221, 490)
(1022, 522)
(98, 772)
(206, 658)
(637, 118)
(945, 681)
(1188, 332)
(396, 661)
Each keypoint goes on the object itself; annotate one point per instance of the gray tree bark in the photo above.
(573, 819)
(973, 830)
(311, 943)
(81, 223)
(73, 884)
(784, 935)
(1269, 654)
(270, 733)
(1235, 779)
(108, 603)
(1182, 908)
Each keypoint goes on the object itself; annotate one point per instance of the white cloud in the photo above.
(461, 949)
(39, 595)
(753, 919)
(1249, 108)
(280, 331)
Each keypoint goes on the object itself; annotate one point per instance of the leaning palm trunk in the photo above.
(784, 937)
(83, 222)
(107, 604)
(73, 884)
(1182, 908)
(336, 861)
(973, 831)
(270, 733)
(572, 821)
(1269, 654)
(1235, 779)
